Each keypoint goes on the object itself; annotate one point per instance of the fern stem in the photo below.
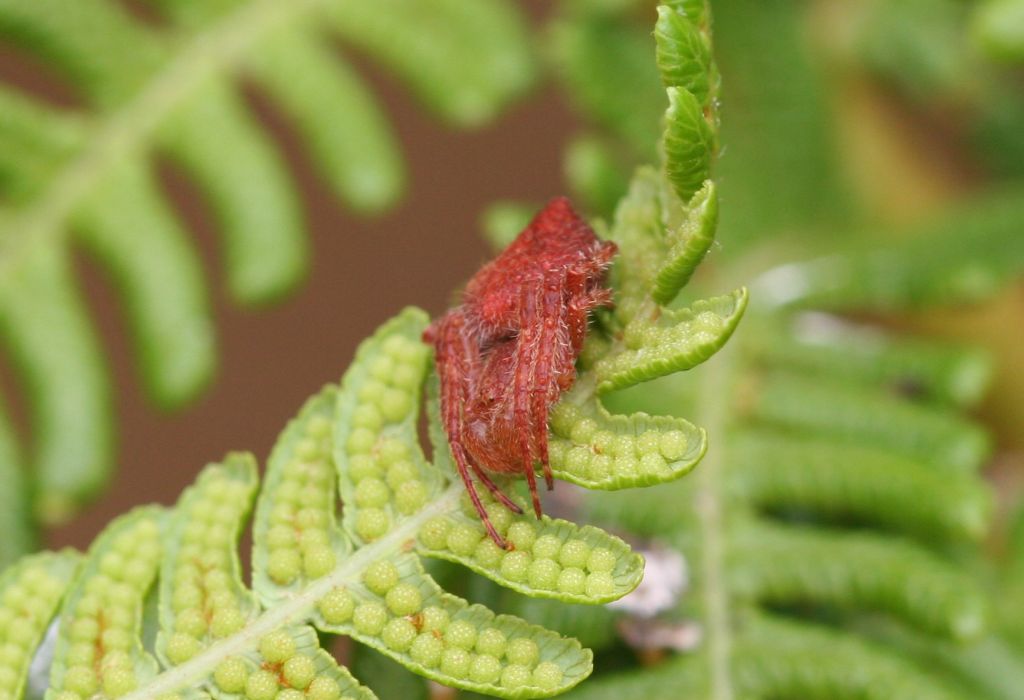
(296, 610)
(128, 128)
(708, 505)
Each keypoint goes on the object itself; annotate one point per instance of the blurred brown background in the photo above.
(363, 271)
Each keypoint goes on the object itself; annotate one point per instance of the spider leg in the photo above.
(495, 489)
(463, 465)
(543, 354)
(554, 358)
(576, 314)
(456, 360)
(581, 302)
(523, 383)
(570, 330)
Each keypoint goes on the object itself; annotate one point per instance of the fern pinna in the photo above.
(831, 533)
(364, 576)
(86, 176)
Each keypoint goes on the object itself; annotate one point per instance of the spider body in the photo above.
(506, 354)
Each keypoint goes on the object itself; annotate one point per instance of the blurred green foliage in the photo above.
(85, 177)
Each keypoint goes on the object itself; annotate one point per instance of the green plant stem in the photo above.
(209, 53)
(295, 611)
(708, 506)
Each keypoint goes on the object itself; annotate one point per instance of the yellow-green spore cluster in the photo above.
(439, 634)
(653, 350)
(283, 671)
(565, 567)
(301, 515)
(101, 621)
(27, 602)
(204, 595)
(585, 449)
(648, 345)
(381, 467)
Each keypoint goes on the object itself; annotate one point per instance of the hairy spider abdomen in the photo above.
(508, 352)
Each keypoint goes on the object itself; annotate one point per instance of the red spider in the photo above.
(508, 352)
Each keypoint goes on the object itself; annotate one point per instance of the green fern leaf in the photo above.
(789, 565)
(15, 507)
(43, 322)
(820, 345)
(599, 450)
(684, 339)
(779, 658)
(843, 476)
(102, 612)
(777, 471)
(967, 254)
(31, 592)
(86, 176)
(362, 577)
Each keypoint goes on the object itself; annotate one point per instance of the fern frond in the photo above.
(86, 176)
(362, 577)
(43, 322)
(843, 475)
(31, 592)
(776, 471)
(832, 510)
(774, 657)
(99, 645)
(683, 339)
(780, 171)
(789, 566)
(593, 626)
(15, 500)
(849, 414)
(990, 668)
(967, 254)
(600, 450)
(200, 561)
(821, 345)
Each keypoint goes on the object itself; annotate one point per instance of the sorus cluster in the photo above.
(542, 561)
(203, 593)
(380, 465)
(592, 454)
(442, 638)
(650, 345)
(284, 672)
(27, 603)
(301, 515)
(100, 624)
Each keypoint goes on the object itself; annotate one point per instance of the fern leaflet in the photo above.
(85, 176)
